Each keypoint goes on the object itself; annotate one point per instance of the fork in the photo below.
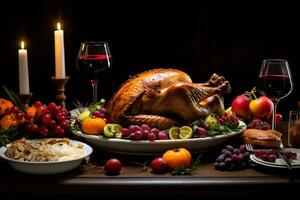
(250, 148)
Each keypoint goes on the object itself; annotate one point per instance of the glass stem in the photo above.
(95, 89)
(275, 103)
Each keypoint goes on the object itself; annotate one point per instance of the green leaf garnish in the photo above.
(189, 170)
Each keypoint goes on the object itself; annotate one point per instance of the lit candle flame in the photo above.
(22, 45)
(58, 26)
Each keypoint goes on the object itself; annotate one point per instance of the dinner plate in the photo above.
(145, 147)
(279, 163)
(51, 167)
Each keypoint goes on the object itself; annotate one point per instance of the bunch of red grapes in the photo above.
(47, 121)
(143, 132)
(232, 158)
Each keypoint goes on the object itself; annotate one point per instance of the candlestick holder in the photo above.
(25, 99)
(60, 89)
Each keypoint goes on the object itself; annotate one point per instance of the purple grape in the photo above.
(138, 135)
(236, 151)
(243, 148)
(155, 131)
(162, 135)
(229, 148)
(221, 158)
(228, 154)
(145, 127)
(151, 137)
(228, 160)
(102, 110)
(125, 132)
(202, 132)
(235, 157)
(145, 134)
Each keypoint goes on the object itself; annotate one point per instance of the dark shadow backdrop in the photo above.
(200, 38)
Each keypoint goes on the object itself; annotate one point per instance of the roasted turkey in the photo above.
(164, 98)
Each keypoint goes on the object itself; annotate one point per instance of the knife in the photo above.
(285, 159)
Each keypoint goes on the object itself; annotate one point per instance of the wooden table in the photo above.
(89, 181)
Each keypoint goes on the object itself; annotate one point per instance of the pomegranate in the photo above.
(159, 165)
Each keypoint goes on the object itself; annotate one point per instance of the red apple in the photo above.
(240, 105)
(261, 107)
(113, 166)
(159, 165)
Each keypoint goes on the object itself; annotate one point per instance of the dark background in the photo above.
(199, 38)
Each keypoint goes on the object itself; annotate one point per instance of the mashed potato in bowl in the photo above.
(45, 150)
(45, 156)
(65, 151)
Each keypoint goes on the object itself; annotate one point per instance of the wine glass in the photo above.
(275, 81)
(93, 57)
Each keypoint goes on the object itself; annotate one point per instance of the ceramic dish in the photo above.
(279, 163)
(144, 147)
(51, 167)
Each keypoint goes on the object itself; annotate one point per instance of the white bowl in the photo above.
(144, 147)
(42, 168)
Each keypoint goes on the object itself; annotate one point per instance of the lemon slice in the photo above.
(112, 130)
(185, 132)
(174, 133)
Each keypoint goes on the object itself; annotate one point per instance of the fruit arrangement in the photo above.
(37, 120)
(256, 112)
(92, 120)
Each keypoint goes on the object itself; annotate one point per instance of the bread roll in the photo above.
(262, 138)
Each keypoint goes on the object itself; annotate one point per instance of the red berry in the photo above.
(19, 116)
(52, 123)
(145, 127)
(38, 104)
(113, 166)
(125, 132)
(15, 109)
(46, 118)
(51, 106)
(59, 131)
(278, 117)
(96, 114)
(151, 137)
(155, 131)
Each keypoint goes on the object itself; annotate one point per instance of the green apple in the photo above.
(85, 114)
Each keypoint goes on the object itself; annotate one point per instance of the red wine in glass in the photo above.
(274, 86)
(275, 82)
(93, 57)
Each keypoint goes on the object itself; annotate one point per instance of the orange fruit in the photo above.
(31, 111)
(93, 125)
(8, 121)
(4, 105)
(178, 158)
